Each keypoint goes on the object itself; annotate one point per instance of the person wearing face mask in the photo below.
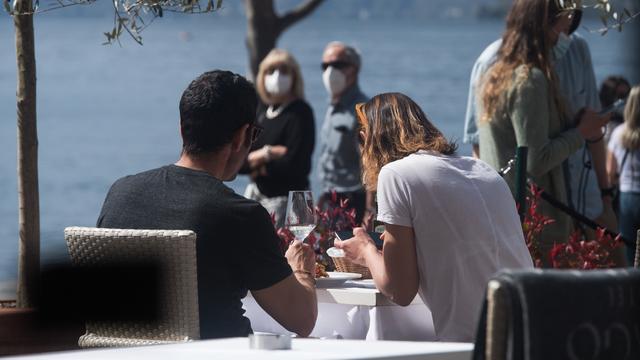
(586, 167)
(280, 160)
(522, 104)
(339, 162)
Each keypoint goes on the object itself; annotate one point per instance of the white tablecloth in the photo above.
(301, 349)
(343, 317)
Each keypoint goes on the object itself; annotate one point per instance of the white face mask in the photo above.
(278, 83)
(562, 46)
(334, 80)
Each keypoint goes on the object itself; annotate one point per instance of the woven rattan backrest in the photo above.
(175, 250)
(498, 311)
(636, 263)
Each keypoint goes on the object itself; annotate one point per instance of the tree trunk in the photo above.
(264, 27)
(28, 196)
(262, 31)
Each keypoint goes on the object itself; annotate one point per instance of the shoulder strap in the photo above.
(624, 159)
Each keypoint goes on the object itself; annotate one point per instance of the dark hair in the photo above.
(214, 106)
(609, 90)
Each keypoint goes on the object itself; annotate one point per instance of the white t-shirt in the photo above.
(466, 228)
(630, 172)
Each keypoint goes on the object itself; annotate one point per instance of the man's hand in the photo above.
(358, 247)
(301, 257)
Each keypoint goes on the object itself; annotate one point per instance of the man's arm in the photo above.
(470, 126)
(292, 302)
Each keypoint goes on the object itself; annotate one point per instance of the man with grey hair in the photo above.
(339, 163)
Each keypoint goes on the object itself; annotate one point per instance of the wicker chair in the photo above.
(175, 250)
(533, 314)
(636, 263)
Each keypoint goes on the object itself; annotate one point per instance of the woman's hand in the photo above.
(358, 247)
(262, 156)
(591, 123)
(278, 151)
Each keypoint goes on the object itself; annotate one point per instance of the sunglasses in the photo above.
(336, 64)
(256, 130)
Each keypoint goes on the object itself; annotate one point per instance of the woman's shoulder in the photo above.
(616, 136)
(528, 81)
(300, 105)
(529, 74)
(300, 109)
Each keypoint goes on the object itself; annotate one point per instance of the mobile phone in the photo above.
(617, 106)
(348, 234)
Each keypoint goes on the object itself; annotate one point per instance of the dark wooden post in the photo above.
(28, 195)
(521, 180)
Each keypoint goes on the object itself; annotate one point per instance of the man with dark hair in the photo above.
(237, 247)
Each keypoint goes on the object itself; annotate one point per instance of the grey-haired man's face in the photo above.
(339, 54)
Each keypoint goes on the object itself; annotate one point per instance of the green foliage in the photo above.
(610, 17)
(133, 16)
(130, 16)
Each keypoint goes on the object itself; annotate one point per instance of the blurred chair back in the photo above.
(561, 314)
(174, 251)
(636, 262)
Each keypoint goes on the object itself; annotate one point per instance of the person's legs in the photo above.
(630, 221)
(277, 208)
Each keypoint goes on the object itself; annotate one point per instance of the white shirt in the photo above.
(466, 228)
(629, 173)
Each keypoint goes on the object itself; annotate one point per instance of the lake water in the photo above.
(108, 111)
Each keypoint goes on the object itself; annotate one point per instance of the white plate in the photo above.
(336, 279)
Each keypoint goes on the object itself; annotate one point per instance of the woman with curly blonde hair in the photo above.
(521, 106)
(624, 169)
(450, 221)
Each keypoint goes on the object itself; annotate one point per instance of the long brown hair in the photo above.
(631, 133)
(525, 41)
(394, 127)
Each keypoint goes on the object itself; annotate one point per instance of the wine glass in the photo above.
(300, 218)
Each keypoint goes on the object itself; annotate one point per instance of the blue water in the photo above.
(109, 111)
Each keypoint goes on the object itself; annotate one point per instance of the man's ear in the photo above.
(239, 138)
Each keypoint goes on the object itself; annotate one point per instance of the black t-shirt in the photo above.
(294, 128)
(237, 247)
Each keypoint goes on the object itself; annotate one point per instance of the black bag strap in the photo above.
(624, 159)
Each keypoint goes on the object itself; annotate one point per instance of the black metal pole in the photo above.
(576, 215)
(521, 180)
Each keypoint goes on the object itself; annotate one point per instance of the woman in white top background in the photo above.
(624, 169)
(450, 222)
